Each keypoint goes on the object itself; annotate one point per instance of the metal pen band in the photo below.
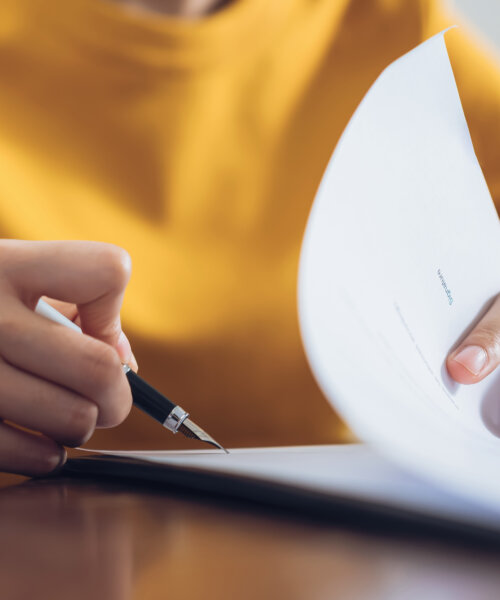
(175, 419)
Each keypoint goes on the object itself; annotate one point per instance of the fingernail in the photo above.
(473, 358)
(59, 460)
(124, 348)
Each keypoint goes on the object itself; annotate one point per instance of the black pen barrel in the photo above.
(148, 399)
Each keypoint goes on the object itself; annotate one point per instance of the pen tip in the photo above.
(191, 430)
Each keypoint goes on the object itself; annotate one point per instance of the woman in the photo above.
(194, 136)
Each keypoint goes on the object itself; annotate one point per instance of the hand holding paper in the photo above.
(392, 275)
(479, 354)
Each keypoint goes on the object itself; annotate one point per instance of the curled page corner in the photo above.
(389, 278)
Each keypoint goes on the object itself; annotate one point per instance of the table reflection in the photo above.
(70, 539)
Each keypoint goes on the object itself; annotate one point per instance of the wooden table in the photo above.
(96, 540)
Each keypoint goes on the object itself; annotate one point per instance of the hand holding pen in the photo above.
(55, 382)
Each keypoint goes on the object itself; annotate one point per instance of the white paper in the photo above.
(401, 254)
(351, 471)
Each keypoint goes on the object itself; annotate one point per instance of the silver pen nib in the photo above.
(191, 430)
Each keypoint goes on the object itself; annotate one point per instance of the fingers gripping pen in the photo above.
(145, 397)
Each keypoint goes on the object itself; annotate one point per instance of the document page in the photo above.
(352, 471)
(401, 255)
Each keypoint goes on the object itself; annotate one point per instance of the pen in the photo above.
(145, 397)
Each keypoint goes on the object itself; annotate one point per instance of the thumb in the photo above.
(70, 311)
(479, 354)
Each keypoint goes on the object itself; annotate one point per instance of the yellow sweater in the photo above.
(198, 147)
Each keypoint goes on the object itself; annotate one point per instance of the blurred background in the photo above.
(484, 15)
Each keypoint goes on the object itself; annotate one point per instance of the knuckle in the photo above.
(111, 331)
(81, 418)
(116, 266)
(488, 336)
(10, 327)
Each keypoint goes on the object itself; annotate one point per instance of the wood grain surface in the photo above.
(96, 540)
